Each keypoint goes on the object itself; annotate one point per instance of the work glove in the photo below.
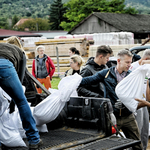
(119, 105)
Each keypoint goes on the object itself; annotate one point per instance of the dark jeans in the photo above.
(11, 84)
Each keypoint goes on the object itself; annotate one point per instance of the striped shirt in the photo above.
(120, 76)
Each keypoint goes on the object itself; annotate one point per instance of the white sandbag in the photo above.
(17, 122)
(4, 98)
(42, 128)
(68, 86)
(3, 102)
(10, 126)
(9, 135)
(131, 87)
(49, 108)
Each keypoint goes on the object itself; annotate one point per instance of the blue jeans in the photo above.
(10, 83)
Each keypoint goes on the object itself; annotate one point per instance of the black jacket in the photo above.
(91, 90)
(110, 82)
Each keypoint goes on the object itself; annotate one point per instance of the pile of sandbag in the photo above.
(11, 130)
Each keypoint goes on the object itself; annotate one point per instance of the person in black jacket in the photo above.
(94, 65)
(111, 77)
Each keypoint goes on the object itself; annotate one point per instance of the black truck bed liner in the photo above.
(72, 139)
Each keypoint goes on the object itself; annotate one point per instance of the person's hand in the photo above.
(145, 62)
(119, 105)
(142, 103)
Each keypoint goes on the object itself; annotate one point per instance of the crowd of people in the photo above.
(95, 73)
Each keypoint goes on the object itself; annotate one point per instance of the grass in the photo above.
(55, 81)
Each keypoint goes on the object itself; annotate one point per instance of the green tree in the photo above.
(34, 25)
(15, 19)
(77, 10)
(3, 23)
(56, 15)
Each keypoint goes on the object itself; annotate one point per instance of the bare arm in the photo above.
(145, 62)
(142, 103)
(148, 91)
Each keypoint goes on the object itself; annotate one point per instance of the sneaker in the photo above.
(35, 146)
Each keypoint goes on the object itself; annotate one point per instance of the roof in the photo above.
(7, 33)
(51, 34)
(21, 21)
(137, 23)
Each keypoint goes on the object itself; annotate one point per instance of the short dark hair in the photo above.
(74, 50)
(103, 50)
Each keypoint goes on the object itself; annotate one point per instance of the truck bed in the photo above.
(75, 139)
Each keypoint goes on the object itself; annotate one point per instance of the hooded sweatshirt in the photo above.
(90, 69)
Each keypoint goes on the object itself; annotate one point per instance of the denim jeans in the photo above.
(10, 83)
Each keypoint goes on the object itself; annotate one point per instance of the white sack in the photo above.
(131, 87)
(9, 135)
(42, 128)
(11, 130)
(17, 122)
(68, 85)
(49, 109)
(3, 101)
(10, 126)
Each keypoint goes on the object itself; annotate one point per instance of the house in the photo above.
(7, 33)
(99, 22)
(21, 21)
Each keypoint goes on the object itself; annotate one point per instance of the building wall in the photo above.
(94, 25)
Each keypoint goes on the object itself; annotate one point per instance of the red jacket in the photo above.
(49, 65)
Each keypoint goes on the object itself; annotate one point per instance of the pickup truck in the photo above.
(84, 123)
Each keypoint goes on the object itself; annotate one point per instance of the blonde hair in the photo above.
(40, 46)
(15, 41)
(78, 59)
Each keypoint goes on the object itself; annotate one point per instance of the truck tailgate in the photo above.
(72, 139)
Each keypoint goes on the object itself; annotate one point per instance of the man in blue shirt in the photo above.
(111, 77)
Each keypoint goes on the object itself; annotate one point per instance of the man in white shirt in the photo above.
(142, 116)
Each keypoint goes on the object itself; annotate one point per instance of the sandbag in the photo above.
(131, 87)
(68, 86)
(3, 101)
(9, 135)
(9, 124)
(49, 108)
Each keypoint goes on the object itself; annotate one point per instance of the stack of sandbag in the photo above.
(131, 87)
(11, 130)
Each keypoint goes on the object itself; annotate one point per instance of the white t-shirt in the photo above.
(134, 66)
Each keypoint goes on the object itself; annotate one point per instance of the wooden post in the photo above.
(57, 54)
